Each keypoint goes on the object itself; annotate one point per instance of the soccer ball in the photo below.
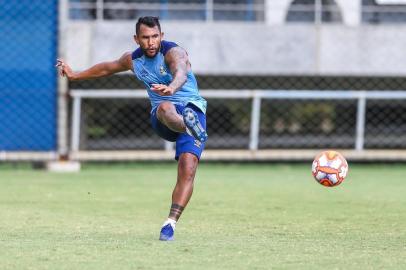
(329, 168)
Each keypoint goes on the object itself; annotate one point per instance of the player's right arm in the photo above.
(103, 69)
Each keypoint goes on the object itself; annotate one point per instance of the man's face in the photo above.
(149, 39)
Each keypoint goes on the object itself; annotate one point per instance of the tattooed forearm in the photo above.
(178, 62)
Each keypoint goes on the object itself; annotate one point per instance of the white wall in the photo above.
(241, 48)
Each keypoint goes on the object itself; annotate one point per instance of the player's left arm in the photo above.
(178, 61)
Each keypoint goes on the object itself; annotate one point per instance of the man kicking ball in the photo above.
(178, 110)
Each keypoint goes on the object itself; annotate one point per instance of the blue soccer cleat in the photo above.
(193, 126)
(167, 233)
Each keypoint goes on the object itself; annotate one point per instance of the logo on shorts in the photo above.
(198, 143)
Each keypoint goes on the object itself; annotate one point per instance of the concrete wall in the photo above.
(241, 48)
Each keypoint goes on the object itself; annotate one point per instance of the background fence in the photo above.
(27, 78)
(340, 66)
(303, 11)
(251, 120)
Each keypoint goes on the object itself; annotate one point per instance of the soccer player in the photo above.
(178, 110)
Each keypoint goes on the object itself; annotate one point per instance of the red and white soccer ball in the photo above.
(329, 168)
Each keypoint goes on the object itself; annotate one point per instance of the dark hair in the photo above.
(149, 21)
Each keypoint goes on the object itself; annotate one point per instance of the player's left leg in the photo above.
(184, 185)
(181, 194)
(188, 152)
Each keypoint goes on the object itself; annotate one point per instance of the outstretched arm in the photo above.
(178, 62)
(103, 69)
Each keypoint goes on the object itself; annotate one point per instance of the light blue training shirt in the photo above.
(151, 70)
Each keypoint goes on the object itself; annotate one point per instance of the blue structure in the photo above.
(28, 85)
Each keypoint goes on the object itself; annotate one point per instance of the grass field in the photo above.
(240, 217)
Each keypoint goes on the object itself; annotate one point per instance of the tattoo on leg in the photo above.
(176, 211)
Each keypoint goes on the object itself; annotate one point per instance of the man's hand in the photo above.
(64, 69)
(162, 89)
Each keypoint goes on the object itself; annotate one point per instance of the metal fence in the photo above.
(249, 120)
(207, 10)
(282, 114)
(28, 85)
(303, 11)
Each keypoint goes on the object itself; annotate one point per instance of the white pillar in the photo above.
(276, 11)
(351, 11)
(62, 122)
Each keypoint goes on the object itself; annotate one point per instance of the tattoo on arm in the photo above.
(178, 62)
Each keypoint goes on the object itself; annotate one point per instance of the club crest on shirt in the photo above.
(162, 70)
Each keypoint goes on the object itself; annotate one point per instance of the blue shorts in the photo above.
(184, 142)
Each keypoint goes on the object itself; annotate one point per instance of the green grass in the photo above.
(240, 217)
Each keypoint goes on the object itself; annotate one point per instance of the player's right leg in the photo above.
(193, 125)
(187, 122)
(168, 115)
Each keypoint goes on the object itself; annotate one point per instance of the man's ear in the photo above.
(162, 35)
(136, 39)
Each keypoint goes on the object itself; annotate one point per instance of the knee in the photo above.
(164, 108)
(187, 166)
